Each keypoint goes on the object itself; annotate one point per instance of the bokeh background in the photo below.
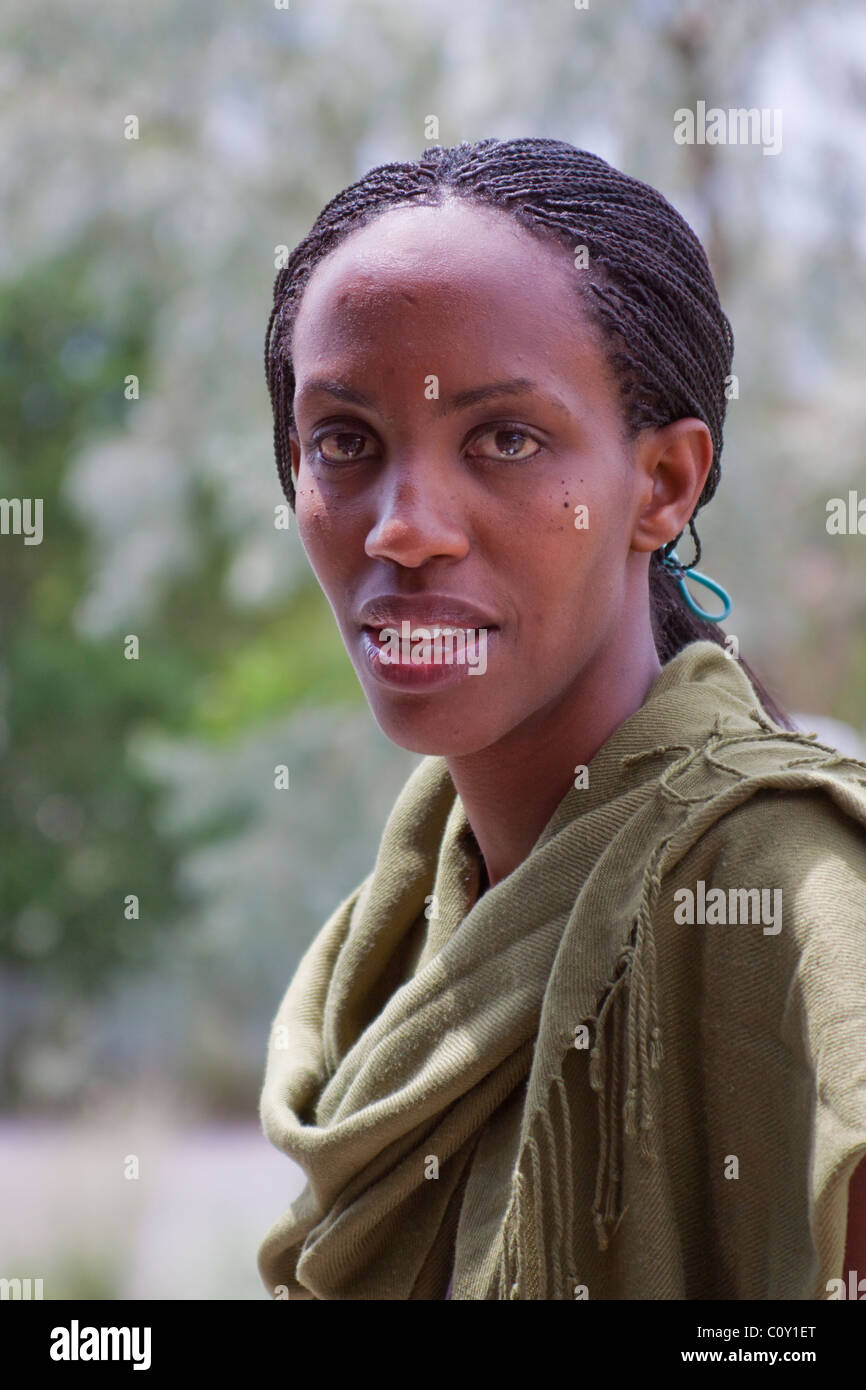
(145, 1037)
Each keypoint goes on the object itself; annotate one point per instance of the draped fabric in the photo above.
(562, 1087)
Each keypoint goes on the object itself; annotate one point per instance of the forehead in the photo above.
(468, 274)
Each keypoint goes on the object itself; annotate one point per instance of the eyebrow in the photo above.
(461, 400)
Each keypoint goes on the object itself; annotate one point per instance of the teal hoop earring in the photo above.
(672, 564)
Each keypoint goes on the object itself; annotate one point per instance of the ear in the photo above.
(673, 463)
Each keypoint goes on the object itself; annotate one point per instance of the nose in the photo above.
(415, 519)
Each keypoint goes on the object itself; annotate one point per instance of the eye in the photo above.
(342, 446)
(509, 442)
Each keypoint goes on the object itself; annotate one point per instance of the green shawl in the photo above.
(562, 1089)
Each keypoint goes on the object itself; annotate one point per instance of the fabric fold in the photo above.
(488, 1082)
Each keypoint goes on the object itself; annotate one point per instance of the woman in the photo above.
(594, 1024)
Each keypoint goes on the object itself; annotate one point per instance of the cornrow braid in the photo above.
(648, 288)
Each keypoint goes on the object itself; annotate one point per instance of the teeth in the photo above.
(421, 627)
(434, 630)
(443, 626)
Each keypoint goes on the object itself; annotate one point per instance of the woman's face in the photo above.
(453, 409)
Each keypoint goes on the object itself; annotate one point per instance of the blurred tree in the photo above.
(155, 257)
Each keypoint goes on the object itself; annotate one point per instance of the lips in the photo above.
(429, 667)
(424, 666)
(427, 610)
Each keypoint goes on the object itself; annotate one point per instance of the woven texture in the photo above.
(561, 1088)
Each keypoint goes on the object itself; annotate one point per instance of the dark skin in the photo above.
(478, 503)
(434, 503)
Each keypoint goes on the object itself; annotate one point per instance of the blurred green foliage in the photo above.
(155, 258)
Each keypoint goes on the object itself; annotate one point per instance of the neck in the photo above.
(511, 789)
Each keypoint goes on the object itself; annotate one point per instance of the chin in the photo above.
(420, 727)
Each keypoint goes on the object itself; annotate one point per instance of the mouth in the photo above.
(415, 655)
(424, 641)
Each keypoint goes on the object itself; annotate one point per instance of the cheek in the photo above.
(316, 529)
(564, 562)
(317, 522)
(558, 539)
(309, 511)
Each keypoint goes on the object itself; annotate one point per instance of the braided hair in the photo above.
(649, 289)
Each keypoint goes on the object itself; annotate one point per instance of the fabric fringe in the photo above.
(627, 1024)
(627, 1047)
(626, 1034)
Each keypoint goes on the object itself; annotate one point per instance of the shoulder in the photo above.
(763, 996)
(800, 842)
(789, 828)
(776, 889)
(769, 908)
